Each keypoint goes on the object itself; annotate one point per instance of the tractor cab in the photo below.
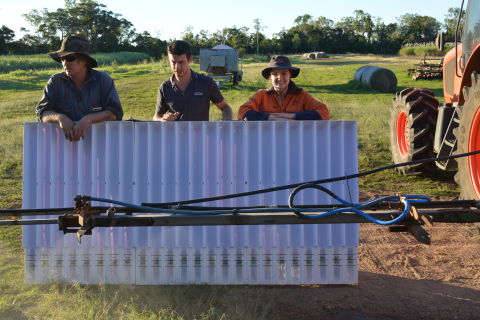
(421, 127)
(471, 30)
(464, 58)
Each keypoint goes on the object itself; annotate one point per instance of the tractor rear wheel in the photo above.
(468, 140)
(412, 129)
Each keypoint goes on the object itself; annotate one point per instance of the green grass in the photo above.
(421, 51)
(329, 80)
(254, 58)
(10, 63)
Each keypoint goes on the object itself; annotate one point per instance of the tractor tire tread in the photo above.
(421, 106)
(468, 178)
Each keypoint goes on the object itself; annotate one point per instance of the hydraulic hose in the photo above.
(290, 186)
(407, 200)
(356, 207)
(352, 207)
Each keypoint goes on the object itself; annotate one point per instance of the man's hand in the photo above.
(281, 116)
(66, 125)
(75, 131)
(227, 112)
(170, 116)
(80, 128)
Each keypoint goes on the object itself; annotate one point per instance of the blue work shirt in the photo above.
(193, 103)
(97, 94)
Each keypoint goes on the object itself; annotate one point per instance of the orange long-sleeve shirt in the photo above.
(295, 100)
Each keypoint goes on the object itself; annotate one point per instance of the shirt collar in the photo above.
(194, 76)
(91, 76)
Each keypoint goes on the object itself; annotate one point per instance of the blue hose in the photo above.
(351, 207)
(356, 207)
(407, 200)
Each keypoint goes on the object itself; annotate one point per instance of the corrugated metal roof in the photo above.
(159, 162)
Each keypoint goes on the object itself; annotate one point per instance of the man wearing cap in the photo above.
(283, 100)
(79, 96)
(186, 95)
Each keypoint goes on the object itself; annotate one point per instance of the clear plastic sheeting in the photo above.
(161, 162)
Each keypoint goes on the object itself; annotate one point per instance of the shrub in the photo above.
(421, 51)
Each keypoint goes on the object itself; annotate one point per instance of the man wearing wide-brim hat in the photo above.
(284, 100)
(79, 96)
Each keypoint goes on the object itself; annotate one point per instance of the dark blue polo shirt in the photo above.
(193, 103)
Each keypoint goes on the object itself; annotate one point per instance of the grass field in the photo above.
(10, 63)
(329, 80)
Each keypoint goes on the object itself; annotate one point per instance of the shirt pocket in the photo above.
(200, 107)
(201, 100)
(67, 104)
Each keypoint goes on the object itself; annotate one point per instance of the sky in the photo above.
(169, 19)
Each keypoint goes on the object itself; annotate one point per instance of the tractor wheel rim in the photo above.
(474, 161)
(402, 133)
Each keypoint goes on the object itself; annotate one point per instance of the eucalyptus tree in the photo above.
(106, 30)
(415, 28)
(450, 23)
(6, 36)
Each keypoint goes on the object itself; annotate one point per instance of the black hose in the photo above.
(290, 186)
(295, 191)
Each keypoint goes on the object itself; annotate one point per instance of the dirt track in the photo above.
(399, 278)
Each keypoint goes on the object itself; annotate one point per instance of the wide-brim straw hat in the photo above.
(74, 45)
(280, 62)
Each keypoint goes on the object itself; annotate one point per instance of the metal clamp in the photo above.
(82, 217)
(413, 225)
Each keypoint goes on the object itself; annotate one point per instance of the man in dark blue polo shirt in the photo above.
(79, 96)
(186, 95)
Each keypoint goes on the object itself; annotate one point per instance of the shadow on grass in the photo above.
(357, 87)
(12, 313)
(339, 63)
(438, 92)
(440, 175)
(375, 296)
(351, 87)
(149, 301)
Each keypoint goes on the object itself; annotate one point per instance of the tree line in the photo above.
(109, 32)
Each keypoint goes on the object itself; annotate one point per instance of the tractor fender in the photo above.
(473, 64)
(451, 82)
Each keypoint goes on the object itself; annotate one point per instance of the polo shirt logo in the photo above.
(198, 93)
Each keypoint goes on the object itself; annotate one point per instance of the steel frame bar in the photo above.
(70, 220)
(83, 218)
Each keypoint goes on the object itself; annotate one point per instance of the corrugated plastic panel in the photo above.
(158, 162)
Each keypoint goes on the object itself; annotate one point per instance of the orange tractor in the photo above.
(421, 127)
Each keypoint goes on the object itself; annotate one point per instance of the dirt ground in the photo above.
(399, 278)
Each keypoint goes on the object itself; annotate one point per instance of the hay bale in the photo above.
(381, 79)
(311, 55)
(321, 55)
